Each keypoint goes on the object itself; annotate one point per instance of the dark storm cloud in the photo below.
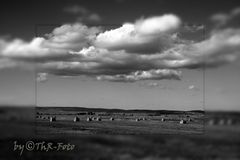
(149, 48)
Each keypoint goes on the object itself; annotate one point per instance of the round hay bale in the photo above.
(111, 119)
(76, 119)
(52, 119)
(137, 119)
(144, 119)
(89, 119)
(98, 119)
(162, 119)
(189, 120)
(182, 121)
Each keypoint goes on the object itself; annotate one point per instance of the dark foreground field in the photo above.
(220, 141)
(115, 121)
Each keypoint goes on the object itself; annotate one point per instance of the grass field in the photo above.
(217, 142)
(117, 121)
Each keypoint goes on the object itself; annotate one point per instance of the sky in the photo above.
(128, 54)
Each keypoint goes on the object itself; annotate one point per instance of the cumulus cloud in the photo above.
(42, 77)
(193, 87)
(222, 47)
(145, 36)
(83, 14)
(72, 37)
(57, 45)
(167, 23)
(148, 49)
(21, 49)
(143, 75)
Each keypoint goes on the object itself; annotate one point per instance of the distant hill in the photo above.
(120, 110)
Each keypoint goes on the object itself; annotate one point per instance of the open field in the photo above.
(218, 142)
(105, 121)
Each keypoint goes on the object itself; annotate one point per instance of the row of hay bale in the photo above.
(181, 121)
(98, 119)
(77, 119)
(93, 119)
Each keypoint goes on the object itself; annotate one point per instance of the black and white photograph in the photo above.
(120, 79)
